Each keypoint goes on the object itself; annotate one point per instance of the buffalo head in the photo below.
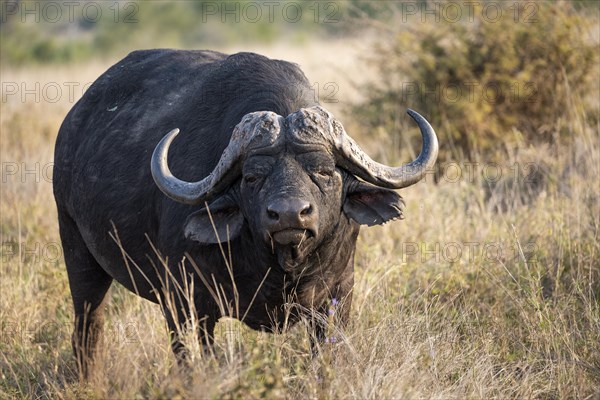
(297, 179)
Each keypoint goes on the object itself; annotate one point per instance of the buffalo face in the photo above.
(291, 180)
(295, 198)
(291, 199)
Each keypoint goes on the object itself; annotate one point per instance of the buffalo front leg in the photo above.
(87, 335)
(89, 284)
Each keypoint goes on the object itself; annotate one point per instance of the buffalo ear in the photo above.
(226, 224)
(371, 205)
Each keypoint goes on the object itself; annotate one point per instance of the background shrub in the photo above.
(488, 83)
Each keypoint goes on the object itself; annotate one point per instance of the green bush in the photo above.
(486, 85)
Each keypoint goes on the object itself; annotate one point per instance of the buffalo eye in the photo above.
(250, 178)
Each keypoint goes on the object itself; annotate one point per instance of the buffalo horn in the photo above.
(351, 157)
(226, 171)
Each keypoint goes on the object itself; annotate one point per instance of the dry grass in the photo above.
(485, 290)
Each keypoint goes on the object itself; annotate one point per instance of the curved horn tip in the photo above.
(414, 115)
(173, 132)
(178, 190)
(164, 142)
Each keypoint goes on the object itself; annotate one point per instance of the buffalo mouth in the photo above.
(290, 245)
(291, 237)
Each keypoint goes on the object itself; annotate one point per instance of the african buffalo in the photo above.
(258, 207)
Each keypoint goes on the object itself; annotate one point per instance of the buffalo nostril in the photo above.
(306, 210)
(289, 212)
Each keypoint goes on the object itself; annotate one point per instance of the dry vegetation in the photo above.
(487, 289)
